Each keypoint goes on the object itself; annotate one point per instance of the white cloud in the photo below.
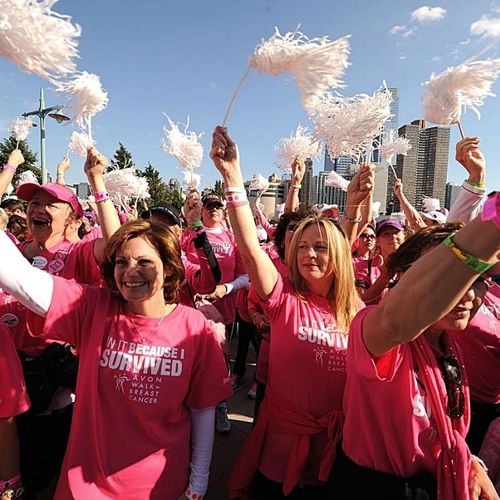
(486, 26)
(436, 59)
(402, 57)
(427, 14)
(496, 8)
(465, 42)
(403, 31)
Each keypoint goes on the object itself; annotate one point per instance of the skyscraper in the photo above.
(306, 192)
(424, 169)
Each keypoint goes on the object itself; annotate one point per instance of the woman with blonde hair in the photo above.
(292, 447)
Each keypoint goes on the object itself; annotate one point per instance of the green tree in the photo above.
(7, 146)
(219, 189)
(175, 198)
(157, 188)
(122, 158)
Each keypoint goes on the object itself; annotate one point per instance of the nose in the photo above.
(311, 253)
(468, 296)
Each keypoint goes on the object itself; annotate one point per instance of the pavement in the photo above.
(240, 411)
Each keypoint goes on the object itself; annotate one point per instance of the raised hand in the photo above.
(96, 163)
(361, 184)
(192, 207)
(468, 154)
(224, 153)
(298, 170)
(16, 158)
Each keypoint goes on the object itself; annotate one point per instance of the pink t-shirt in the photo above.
(230, 263)
(388, 423)
(306, 365)
(130, 436)
(365, 270)
(480, 344)
(13, 396)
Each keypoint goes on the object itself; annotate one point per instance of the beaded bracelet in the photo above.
(353, 221)
(10, 167)
(193, 496)
(477, 265)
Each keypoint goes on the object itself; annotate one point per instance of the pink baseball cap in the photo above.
(62, 193)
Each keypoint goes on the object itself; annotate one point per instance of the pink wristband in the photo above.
(10, 167)
(100, 196)
(236, 197)
(491, 209)
(8, 484)
(192, 495)
(236, 204)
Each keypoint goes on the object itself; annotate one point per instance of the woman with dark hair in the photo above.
(292, 447)
(150, 371)
(406, 399)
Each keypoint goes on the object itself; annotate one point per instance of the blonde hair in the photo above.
(4, 219)
(343, 298)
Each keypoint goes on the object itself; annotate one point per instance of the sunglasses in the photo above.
(453, 380)
(367, 236)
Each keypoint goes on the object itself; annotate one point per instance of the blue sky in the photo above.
(186, 57)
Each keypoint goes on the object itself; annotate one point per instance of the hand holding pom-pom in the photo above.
(469, 155)
(96, 163)
(192, 207)
(224, 152)
(16, 158)
(298, 170)
(361, 184)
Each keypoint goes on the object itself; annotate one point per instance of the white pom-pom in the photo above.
(91, 198)
(10, 189)
(125, 184)
(38, 39)
(184, 146)
(393, 146)
(79, 143)
(465, 86)
(86, 96)
(348, 126)
(317, 64)
(335, 180)
(259, 183)
(299, 145)
(375, 209)
(27, 177)
(430, 204)
(20, 128)
(192, 181)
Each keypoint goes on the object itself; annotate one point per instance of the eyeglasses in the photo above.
(292, 226)
(367, 236)
(453, 381)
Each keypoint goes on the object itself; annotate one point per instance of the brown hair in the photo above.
(343, 297)
(412, 248)
(165, 243)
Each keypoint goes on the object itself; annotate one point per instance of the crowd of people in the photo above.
(377, 341)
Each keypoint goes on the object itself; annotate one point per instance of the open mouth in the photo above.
(134, 284)
(40, 222)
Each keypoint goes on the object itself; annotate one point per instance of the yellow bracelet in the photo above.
(477, 265)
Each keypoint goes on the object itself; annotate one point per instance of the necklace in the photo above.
(153, 331)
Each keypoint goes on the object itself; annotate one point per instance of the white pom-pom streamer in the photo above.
(300, 145)
(20, 128)
(183, 146)
(348, 126)
(37, 39)
(86, 98)
(125, 184)
(10, 189)
(335, 180)
(27, 177)
(393, 146)
(463, 86)
(79, 143)
(375, 209)
(259, 183)
(192, 181)
(318, 64)
(430, 204)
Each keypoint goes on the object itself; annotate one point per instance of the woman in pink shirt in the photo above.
(292, 446)
(406, 400)
(151, 369)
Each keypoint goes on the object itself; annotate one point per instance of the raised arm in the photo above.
(430, 289)
(262, 273)
(292, 199)
(95, 166)
(413, 218)
(471, 197)
(16, 158)
(62, 168)
(358, 191)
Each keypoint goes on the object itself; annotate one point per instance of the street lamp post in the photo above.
(42, 112)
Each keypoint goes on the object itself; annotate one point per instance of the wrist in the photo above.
(477, 182)
(100, 196)
(10, 168)
(192, 495)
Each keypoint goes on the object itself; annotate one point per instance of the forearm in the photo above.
(292, 199)
(241, 281)
(372, 294)
(430, 288)
(202, 440)
(108, 218)
(412, 216)
(6, 176)
(268, 228)
(31, 286)
(350, 222)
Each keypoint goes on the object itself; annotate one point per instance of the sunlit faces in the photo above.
(458, 318)
(366, 241)
(211, 215)
(390, 239)
(139, 272)
(313, 257)
(47, 216)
